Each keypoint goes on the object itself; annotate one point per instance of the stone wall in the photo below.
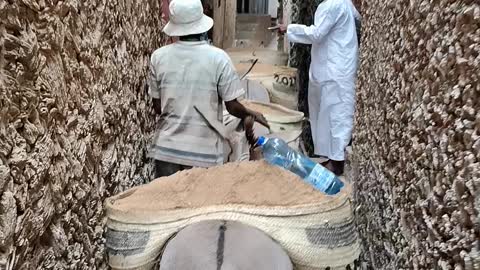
(74, 123)
(417, 134)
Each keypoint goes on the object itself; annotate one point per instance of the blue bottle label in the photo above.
(320, 178)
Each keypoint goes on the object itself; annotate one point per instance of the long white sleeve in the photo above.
(356, 14)
(324, 22)
(296, 34)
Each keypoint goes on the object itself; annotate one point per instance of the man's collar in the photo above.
(195, 42)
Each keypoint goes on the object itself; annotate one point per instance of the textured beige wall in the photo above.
(74, 123)
(417, 137)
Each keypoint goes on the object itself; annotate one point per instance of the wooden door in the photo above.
(224, 16)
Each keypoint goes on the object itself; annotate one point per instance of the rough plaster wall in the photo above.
(74, 123)
(417, 136)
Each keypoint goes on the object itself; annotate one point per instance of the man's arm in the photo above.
(154, 88)
(229, 90)
(157, 106)
(325, 19)
(236, 109)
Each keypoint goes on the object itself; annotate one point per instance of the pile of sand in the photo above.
(250, 183)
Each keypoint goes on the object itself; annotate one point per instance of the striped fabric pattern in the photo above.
(185, 75)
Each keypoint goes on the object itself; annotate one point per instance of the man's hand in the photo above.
(248, 125)
(281, 28)
(259, 118)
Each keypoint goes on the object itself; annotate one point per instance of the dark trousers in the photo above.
(164, 169)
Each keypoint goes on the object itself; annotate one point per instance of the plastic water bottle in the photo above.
(277, 152)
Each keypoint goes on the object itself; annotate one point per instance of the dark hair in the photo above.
(195, 37)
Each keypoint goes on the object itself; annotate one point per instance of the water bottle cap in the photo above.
(261, 141)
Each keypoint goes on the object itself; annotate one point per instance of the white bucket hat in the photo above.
(187, 18)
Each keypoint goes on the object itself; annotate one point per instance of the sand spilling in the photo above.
(250, 183)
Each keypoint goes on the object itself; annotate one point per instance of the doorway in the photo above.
(259, 7)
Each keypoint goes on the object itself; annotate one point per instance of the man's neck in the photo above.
(192, 38)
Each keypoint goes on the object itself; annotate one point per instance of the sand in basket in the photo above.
(247, 183)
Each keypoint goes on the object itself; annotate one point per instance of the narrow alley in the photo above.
(79, 118)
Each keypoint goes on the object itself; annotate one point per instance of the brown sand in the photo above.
(251, 183)
(264, 109)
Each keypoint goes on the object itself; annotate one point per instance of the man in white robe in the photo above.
(331, 92)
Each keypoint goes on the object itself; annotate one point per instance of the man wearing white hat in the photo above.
(189, 82)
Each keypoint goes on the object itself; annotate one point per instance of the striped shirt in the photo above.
(192, 80)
